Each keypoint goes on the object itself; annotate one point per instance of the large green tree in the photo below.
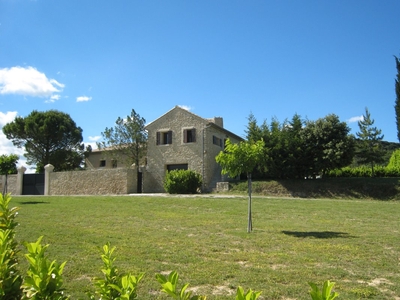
(8, 165)
(49, 137)
(327, 145)
(397, 90)
(126, 142)
(370, 150)
(240, 158)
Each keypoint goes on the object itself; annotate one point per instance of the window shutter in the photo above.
(185, 135)
(169, 137)
(194, 135)
(158, 138)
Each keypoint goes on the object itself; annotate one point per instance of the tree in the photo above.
(242, 158)
(8, 165)
(127, 140)
(327, 145)
(49, 137)
(397, 103)
(370, 150)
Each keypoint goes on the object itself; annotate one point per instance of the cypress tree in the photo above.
(397, 103)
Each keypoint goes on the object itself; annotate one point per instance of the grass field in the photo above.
(354, 243)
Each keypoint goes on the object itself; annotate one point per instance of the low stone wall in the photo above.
(93, 182)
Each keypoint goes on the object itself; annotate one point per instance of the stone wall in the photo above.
(11, 183)
(93, 182)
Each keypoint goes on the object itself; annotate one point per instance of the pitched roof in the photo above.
(208, 122)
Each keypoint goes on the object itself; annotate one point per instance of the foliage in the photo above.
(169, 286)
(48, 137)
(299, 149)
(8, 164)
(240, 158)
(43, 278)
(127, 140)
(397, 102)
(114, 285)
(370, 151)
(327, 145)
(394, 162)
(182, 182)
(324, 294)
(10, 280)
(249, 295)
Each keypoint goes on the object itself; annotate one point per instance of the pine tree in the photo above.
(370, 151)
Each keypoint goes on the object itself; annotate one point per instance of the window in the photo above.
(217, 141)
(102, 163)
(164, 137)
(177, 167)
(114, 163)
(189, 135)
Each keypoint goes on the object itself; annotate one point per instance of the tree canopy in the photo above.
(298, 149)
(327, 145)
(127, 140)
(48, 137)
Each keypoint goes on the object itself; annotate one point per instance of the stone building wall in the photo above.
(176, 153)
(198, 155)
(93, 182)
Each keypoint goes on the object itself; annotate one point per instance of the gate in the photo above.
(33, 184)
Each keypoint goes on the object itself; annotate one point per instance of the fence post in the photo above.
(20, 180)
(47, 170)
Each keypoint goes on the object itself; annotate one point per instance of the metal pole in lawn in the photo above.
(250, 223)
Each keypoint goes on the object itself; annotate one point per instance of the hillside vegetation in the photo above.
(342, 188)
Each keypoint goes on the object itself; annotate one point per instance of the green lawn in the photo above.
(351, 242)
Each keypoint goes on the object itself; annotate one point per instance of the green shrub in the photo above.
(182, 182)
(10, 279)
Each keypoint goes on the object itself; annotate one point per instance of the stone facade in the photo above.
(181, 139)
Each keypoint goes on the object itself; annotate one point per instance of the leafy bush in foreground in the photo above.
(43, 280)
(182, 182)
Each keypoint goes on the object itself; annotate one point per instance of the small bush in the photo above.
(182, 182)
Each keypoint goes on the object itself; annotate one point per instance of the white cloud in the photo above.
(83, 99)
(53, 98)
(28, 82)
(355, 119)
(6, 146)
(94, 138)
(186, 107)
(7, 118)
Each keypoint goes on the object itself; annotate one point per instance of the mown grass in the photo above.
(353, 243)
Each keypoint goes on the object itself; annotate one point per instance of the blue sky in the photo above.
(98, 60)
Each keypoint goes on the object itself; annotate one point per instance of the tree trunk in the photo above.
(250, 222)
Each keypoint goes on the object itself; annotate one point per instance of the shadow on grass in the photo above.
(317, 234)
(33, 202)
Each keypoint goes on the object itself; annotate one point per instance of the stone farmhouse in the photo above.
(180, 139)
